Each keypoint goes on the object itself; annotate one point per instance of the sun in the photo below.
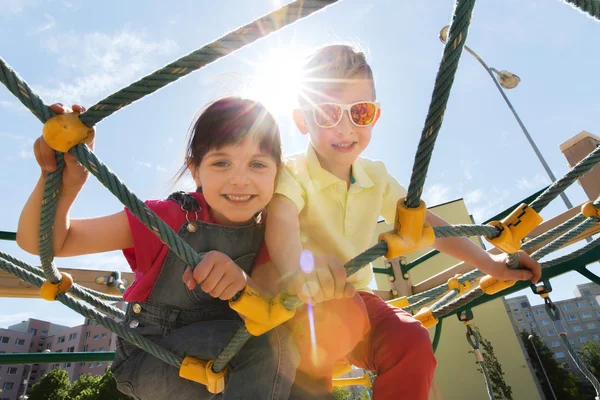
(276, 79)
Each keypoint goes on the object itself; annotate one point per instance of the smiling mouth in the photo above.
(238, 198)
(344, 145)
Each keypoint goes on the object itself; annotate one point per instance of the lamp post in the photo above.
(531, 339)
(507, 80)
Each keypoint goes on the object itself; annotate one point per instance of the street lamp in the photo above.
(542, 366)
(507, 80)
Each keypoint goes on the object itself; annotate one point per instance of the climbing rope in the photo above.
(473, 339)
(591, 7)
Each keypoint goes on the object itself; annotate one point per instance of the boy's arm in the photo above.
(467, 251)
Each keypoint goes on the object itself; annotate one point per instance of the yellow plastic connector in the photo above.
(260, 313)
(491, 285)
(364, 380)
(453, 283)
(589, 210)
(201, 371)
(514, 228)
(49, 290)
(63, 131)
(400, 302)
(410, 233)
(341, 369)
(425, 315)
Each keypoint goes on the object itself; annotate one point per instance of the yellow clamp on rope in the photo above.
(491, 285)
(63, 131)
(364, 380)
(589, 210)
(260, 313)
(201, 371)
(341, 369)
(453, 283)
(514, 228)
(425, 315)
(410, 233)
(49, 290)
(400, 302)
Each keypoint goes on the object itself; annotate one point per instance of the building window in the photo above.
(104, 335)
(44, 332)
(583, 339)
(595, 336)
(20, 342)
(33, 331)
(91, 365)
(528, 315)
(586, 315)
(524, 304)
(520, 320)
(7, 386)
(540, 312)
(586, 293)
(533, 325)
(85, 348)
(515, 310)
(577, 328)
(11, 371)
(67, 365)
(555, 343)
(567, 307)
(96, 337)
(560, 354)
(82, 364)
(72, 336)
(3, 339)
(87, 335)
(71, 349)
(545, 322)
(592, 325)
(101, 349)
(89, 322)
(99, 363)
(598, 313)
(593, 303)
(572, 317)
(581, 304)
(550, 332)
(61, 339)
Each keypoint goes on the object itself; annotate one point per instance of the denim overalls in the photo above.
(192, 323)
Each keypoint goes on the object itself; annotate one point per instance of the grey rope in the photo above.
(572, 234)
(459, 29)
(591, 7)
(466, 230)
(581, 364)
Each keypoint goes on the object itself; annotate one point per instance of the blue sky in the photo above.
(83, 51)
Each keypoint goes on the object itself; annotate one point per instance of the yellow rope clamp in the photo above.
(341, 369)
(260, 313)
(400, 302)
(364, 380)
(453, 283)
(201, 371)
(49, 290)
(514, 228)
(425, 315)
(589, 210)
(491, 285)
(410, 233)
(63, 131)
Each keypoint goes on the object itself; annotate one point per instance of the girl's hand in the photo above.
(74, 175)
(217, 275)
(529, 269)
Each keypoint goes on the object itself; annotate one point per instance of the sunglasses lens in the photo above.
(328, 115)
(363, 114)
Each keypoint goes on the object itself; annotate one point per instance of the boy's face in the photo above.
(339, 146)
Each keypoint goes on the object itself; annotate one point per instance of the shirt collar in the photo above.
(323, 179)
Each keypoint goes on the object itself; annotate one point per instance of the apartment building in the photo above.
(580, 316)
(34, 335)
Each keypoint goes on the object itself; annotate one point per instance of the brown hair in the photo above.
(229, 121)
(330, 67)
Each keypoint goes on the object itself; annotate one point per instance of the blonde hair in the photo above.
(330, 67)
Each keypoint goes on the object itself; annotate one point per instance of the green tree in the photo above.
(502, 391)
(85, 388)
(341, 393)
(53, 386)
(364, 395)
(108, 388)
(564, 383)
(590, 354)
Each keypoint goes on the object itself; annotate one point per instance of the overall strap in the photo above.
(185, 200)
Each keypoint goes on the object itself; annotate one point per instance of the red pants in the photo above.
(397, 347)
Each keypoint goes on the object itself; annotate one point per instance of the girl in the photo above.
(233, 154)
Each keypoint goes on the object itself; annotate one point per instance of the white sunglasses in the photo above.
(328, 115)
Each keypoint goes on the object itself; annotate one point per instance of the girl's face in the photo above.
(237, 181)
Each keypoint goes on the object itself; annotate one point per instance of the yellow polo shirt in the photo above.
(336, 220)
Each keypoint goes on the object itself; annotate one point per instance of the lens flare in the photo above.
(307, 261)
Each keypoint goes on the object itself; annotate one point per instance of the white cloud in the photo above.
(17, 6)
(25, 154)
(535, 183)
(467, 166)
(12, 105)
(161, 169)
(113, 261)
(11, 319)
(487, 203)
(436, 194)
(474, 197)
(144, 164)
(101, 63)
(50, 22)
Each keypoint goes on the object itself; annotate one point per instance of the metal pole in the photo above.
(542, 365)
(527, 135)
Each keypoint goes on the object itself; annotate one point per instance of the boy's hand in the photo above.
(217, 275)
(326, 280)
(74, 175)
(529, 269)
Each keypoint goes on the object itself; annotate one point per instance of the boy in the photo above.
(328, 202)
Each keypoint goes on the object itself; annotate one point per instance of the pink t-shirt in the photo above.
(148, 253)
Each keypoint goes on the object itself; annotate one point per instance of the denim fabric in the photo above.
(192, 323)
